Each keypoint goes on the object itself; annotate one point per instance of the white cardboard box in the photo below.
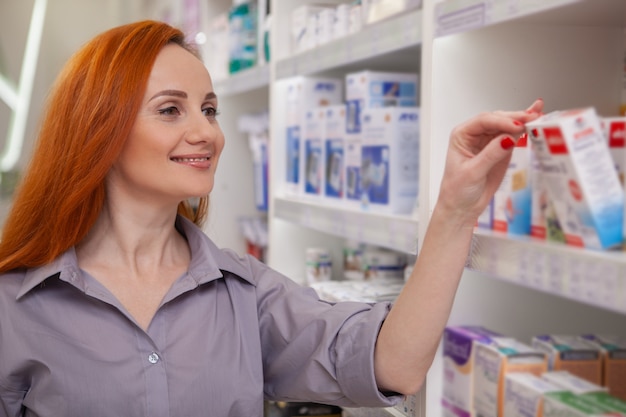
(578, 171)
(390, 159)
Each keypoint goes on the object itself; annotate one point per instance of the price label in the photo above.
(466, 18)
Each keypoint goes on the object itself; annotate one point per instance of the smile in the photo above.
(206, 158)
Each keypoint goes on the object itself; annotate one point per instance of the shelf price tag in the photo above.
(470, 17)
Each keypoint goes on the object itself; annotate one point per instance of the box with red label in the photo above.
(578, 172)
(614, 129)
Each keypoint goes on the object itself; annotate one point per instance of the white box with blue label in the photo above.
(313, 152)
(334, 140)
(580, 176)
(390, 159)
(367, 89)
(304, 93)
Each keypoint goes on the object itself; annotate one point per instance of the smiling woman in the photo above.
(114, 302)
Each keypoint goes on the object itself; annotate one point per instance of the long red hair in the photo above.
(89, 115)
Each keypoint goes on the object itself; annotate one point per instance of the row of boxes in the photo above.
(361, 150)
(316, 24)
(478, 363)
(565, 181)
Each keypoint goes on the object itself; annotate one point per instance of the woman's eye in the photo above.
(210, 112)
(169, 111)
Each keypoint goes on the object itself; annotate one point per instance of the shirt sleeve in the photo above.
(315, 350)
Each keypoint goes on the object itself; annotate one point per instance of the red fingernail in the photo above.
(507, 143)
(517, 123)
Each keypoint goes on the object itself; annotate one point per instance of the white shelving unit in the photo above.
(472, 56)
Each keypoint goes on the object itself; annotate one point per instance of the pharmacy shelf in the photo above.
(592, 277)
(365, 48)
(244, 81)
(454, 16)
(391, 231)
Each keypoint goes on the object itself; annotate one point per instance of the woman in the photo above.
(112, 300)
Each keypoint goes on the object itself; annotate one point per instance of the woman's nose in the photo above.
(201, 128)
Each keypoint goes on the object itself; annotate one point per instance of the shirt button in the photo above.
(153, 357)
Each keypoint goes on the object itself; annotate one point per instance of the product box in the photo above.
(614, 130)
(578, 169)
(303, 94)
(259, 143)
(493, 362)
(512, 207)
(568, 404)
(587, 392)
(544, 222)
(313, 151)
(390, 159)
(572, 383)
(352, 171)
(367, 89)
(334, 142)
(304, 26)
(610, 403)
(570, 353)
(613, 350)
(459, 346)
(523, 394)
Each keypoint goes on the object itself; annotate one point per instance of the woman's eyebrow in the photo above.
(174, 93)
(181, 94)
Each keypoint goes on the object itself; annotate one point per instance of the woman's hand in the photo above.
(478, 155)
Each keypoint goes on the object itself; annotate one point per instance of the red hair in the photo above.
(89, 115)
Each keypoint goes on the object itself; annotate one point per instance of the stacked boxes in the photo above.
(324, 140)
(366, 90)
(570, 353)
(303, 94)
(579, 175)
(493, 361)
(568, 186)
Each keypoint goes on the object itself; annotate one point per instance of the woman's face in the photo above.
(175, 143)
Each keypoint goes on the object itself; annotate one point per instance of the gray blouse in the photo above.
(229, 333)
